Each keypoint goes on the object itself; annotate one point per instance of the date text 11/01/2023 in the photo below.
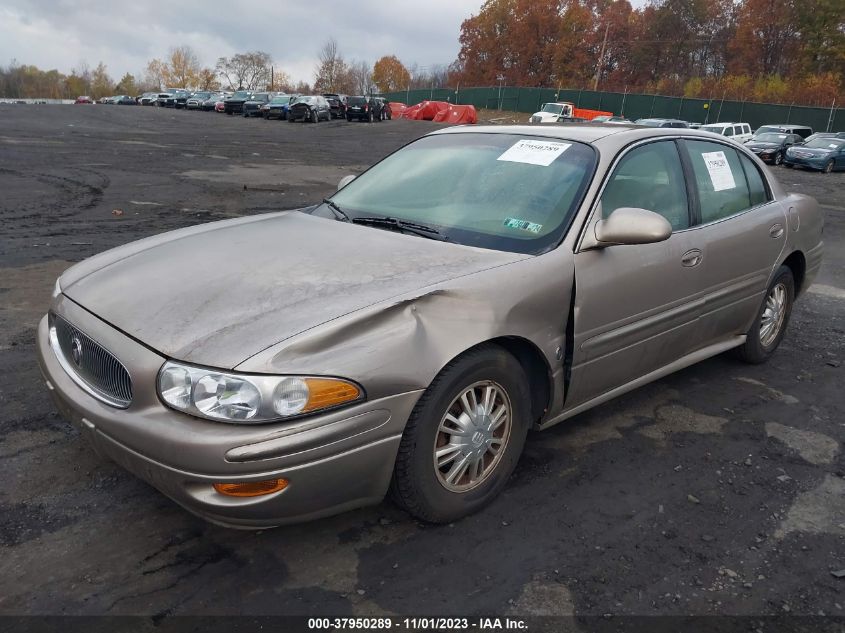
(418, 624)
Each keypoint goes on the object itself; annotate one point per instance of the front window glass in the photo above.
(715, 129)
(649, 177)
(825, 143)
(500, 191)
(769, 137)
(720, 179)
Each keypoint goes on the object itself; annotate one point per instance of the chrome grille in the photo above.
(90, 364)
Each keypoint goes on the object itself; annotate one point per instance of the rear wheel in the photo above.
(769, 325)
(778, 158)
(828, 167)
(464, 437)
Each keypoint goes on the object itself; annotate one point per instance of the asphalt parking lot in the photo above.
(717, 490)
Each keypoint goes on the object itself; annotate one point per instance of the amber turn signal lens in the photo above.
(324, 393)
(251, 488)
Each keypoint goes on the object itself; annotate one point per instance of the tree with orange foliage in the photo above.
(390, 74)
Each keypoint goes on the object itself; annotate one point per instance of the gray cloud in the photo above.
(126, 35)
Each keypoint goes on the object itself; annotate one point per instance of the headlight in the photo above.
(228, 397)
(57, 289)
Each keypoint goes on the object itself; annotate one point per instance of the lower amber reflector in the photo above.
(251, 488)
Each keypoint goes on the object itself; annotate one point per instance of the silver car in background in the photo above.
(404, 335)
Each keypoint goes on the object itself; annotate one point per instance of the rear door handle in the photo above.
(776, 231)
(691, 258)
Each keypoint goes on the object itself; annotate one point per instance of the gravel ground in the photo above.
(717, 490)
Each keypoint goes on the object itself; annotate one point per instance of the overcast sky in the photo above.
(126, 34)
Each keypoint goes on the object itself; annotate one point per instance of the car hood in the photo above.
(811, 151)
(546, 116)
(762, 145)
(219, 293)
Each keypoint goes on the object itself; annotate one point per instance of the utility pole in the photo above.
(601, 58)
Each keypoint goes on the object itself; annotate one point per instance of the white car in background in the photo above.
(739, 132)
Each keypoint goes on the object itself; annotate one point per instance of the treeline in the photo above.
(253, 70)
(777, 51)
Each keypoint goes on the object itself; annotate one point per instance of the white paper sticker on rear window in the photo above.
(720, 170)
(534, 152)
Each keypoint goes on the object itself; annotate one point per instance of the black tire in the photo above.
(416, 484)
(349, 119)
(788, 165)
(828, 167)
(778, 158)
(229, 112)
(315, 117)
(754, 350)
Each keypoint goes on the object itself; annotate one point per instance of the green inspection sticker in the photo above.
(525, 225)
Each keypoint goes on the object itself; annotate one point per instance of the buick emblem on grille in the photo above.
(76, 350)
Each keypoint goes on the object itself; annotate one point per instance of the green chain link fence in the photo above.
(632, 106)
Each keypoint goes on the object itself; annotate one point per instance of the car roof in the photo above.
(621, 133)
(726, 123)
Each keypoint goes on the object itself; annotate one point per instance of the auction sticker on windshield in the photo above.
(525, 225)
(534, 152)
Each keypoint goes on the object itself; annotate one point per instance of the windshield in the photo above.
(305, 100)
(825, 143)
(280, 99)
(241, 94)
(553, 108)
(500, 191)
(769, 137)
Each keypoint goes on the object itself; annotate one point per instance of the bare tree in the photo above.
(245, 71)
(360, 77)
(332, 70)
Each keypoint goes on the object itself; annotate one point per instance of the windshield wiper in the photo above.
(423, 230)
(339, 213)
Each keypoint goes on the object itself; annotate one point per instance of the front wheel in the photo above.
(772, 318)
(464, 437)
(828, 167)
(778, 158)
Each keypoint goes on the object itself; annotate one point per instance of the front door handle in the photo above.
(776, 231)
(691, 258)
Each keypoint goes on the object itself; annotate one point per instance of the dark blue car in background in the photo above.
(826, 154)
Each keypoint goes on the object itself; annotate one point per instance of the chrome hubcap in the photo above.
(472, 436)
(773, 315)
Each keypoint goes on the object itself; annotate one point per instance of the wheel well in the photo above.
(798, 265)
(536, 368)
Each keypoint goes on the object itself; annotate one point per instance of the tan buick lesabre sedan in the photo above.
(404, 335)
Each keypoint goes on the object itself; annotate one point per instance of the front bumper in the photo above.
(334, 462)
(809, 163)
(767, 156)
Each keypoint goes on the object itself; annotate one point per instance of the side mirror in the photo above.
(345, 181)
(629, 225)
